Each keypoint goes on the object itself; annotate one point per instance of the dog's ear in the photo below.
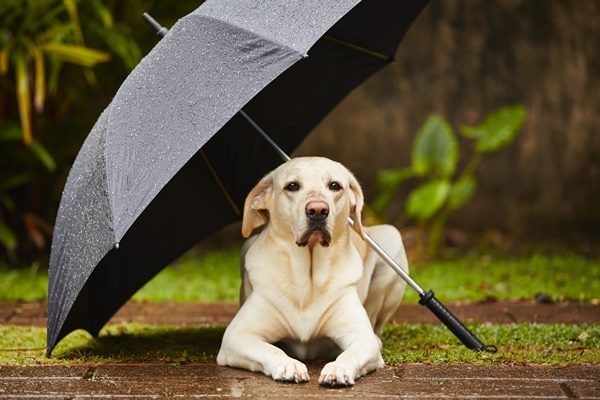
(256, 206)
(357, 200)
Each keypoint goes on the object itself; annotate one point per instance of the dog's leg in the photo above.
(386, 288)
(247, 344)
(353, 333)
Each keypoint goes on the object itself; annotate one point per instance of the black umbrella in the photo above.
(153, 177)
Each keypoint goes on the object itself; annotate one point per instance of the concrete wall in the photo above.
(462, 59)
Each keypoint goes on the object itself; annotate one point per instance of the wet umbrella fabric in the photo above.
(154, 177)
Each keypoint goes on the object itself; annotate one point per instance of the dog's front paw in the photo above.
(337, 374)
(290, 371)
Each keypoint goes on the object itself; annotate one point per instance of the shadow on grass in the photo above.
(423, 343)
(142, 343)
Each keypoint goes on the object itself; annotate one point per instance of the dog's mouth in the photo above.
(315, 231)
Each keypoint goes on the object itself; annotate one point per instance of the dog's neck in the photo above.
(315, 267)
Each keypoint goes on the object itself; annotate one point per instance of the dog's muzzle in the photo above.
(317, 213)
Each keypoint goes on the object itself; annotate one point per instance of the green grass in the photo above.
(30, 284)
(484, 277)
(215, 277)
(518, 343)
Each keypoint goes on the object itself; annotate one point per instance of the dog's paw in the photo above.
(336, 374)
(291, 371)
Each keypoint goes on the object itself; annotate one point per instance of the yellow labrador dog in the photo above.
(311, 285)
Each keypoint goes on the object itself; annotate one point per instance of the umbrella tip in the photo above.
(160, 30)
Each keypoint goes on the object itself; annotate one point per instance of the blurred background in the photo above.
(489, 115)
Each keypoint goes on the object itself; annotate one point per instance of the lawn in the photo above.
(518, 343)
(215, 276)
(474, 277)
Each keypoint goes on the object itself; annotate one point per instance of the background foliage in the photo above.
(460, 60)
(435, 156)
(61, 61)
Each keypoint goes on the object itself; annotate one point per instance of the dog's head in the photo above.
(308, 199)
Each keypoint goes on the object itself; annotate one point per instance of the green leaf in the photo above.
(75, 54)
(498, 128)
(4, 56)
(382, 202)
(40, 78)
(23, 99)
(424, 201)
(53, 75)
(10, 132)
(71, 7)
(461, 192)
(469, 132)
(55, 33)
(389, 181)
(7, 237)
(43, 155)
(103, 12)
(435, 150)
(393, 178)
(120, 45)
(7, 202)
(15, 180)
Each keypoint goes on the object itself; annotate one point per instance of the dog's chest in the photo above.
(304, 287)
(306, 323)
(306, 308)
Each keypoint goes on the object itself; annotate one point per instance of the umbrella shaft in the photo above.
(390, 261)
(264, 135)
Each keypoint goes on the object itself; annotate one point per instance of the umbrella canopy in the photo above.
(170, 160)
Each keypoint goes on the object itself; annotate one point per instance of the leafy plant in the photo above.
(11, 133)
(38, 33)
(435, 157)
(43, 55)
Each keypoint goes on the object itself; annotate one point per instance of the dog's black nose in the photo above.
(317, 210)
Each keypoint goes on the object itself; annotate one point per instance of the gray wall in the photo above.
(464, 58)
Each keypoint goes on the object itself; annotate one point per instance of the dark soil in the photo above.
(172, 313)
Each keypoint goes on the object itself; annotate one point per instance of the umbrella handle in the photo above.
(427, 298)
(456, 327)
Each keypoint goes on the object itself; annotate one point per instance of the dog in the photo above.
(311, 285)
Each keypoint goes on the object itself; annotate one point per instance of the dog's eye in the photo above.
(336, 187)
(292, 187)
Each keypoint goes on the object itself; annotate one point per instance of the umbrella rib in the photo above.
(376, 54)
(217, 179)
